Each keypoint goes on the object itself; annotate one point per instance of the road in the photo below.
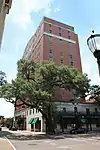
(24, 141)
(59, 144)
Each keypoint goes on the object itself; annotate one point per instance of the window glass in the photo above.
(50, 31)
(50, 25)
(50, 43)
(30, 111)
(50, 58)
(71, 63)
(50, 51)
(50, 37)
(62, 61)
(27, 113)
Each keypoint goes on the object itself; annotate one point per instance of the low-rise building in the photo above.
(68, 111)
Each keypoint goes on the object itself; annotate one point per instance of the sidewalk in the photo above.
(5, 145)
(26, 132)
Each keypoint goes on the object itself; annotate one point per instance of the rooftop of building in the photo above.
(59, 23)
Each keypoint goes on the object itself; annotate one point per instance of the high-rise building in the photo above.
(55, 41)
(5, 5)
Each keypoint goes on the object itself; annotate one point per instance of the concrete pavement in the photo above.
(59, 144)
(25, 140)
(5, 145)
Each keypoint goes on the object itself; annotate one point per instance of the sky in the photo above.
(24, 18)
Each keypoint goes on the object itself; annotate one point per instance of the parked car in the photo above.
(78, 130)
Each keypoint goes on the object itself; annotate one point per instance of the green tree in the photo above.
(8, 122)
(36, 84)
(95, 93)
(2, 78)
(82, 87)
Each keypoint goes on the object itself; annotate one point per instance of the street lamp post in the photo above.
(93, 43)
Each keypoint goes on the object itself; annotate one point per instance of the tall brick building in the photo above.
(55, 41)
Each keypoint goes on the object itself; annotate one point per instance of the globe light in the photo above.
(93, 43)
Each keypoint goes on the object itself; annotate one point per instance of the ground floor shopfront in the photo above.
(67, 121)
(35, 121)
(87, 115)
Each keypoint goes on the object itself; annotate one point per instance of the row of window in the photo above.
(50, 37)
(50, 25)
(87, 109)
(50, 31)
(61, 57)
(32, 111)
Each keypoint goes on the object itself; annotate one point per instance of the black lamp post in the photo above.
(93, 43)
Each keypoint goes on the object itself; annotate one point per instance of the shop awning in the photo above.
(30, 121)
(35, 120)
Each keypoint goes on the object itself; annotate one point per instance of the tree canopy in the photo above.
(35, 85)
(2, 78)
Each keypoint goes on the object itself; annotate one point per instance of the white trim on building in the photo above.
(60, 37)
(31, 114)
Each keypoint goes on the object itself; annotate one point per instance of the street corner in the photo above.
(5, 144)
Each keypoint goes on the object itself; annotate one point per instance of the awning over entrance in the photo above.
(30, 121)
(35, 120)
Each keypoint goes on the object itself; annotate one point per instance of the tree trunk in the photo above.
(50, 122)
(50, 126)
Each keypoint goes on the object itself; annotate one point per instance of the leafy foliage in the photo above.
(2, 78)
(35, 86)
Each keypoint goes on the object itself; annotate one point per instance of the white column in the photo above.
(34, 127)
(42, 124)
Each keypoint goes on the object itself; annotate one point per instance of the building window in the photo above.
(62, 61)
(70, 56)
(71, 63)
(59, 28)
(87, 111)
(50, 25)
(50, 31)
(27, 113)
(59, 34)
(96, 110)
(75, 109)
(61, 53)
(50, 37)
(50, 43)
(33, 110)
(36, 111)
(69, 37)
(30, 111)
(60, 40)
(50, 51)
(68, 31)
(64, 109)
(50, 58)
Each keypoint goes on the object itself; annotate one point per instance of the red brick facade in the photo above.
(58, 42)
